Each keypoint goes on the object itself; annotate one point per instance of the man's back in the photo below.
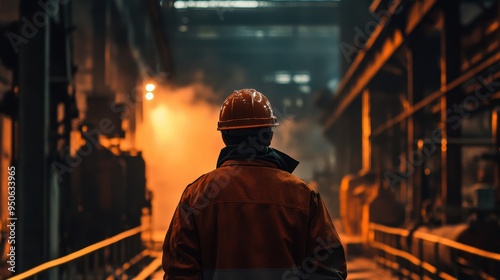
(251, 220)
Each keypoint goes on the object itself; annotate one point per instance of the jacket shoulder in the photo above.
(201, 179)
(195, 181)
(299, 182)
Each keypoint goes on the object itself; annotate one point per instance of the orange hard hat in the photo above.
(246, 108)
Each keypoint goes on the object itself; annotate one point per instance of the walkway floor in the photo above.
(358, 267)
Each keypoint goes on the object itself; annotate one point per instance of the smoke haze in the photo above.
(180, 142)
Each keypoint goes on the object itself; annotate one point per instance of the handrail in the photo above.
(457, 245)
(397, 252)
(80, 253)
(437, 239)
(411, 258)
(397, 231)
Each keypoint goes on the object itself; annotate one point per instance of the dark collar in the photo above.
(252, 153)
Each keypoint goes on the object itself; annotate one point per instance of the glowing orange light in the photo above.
(149, 95)
(444, 144)
(150, 87)
(420, 144)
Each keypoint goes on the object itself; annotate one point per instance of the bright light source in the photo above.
(301, 78)
(149, 95)
(218, 4)
(150, 87)
(282, 78)
(180, 4)
(305, 89)
(332, 85)
(245, 4)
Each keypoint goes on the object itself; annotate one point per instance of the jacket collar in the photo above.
(256, 154)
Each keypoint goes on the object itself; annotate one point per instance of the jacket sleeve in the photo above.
(326, 254)
(181, 257)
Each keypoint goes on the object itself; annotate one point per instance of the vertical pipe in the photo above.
(495, 123)
(366, 130)
(420, 257)
(436, 259)
(444, 147)
(410, 191)
(99, 10)
(356, 136)
(86, 267)
(33, 188)
(451, 155)
(162, 28)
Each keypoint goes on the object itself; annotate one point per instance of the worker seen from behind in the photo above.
(250, 218)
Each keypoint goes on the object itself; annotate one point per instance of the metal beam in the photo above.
(100, 60)
(471, 73)
(495, 121)
(391, 44)
(451, 155)
(159, 26)
(375, 54)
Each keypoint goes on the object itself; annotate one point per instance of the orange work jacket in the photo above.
(248, 219)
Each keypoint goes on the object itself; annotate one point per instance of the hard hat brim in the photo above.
(247, 123)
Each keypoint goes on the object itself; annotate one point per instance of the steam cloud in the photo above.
(180, 142)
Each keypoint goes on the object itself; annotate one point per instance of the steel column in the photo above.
(33, 234)
(451, 154)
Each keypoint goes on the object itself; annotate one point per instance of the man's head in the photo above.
(246, 116)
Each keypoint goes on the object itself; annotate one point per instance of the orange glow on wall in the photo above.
(180, 142)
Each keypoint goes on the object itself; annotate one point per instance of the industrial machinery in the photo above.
(419, 106)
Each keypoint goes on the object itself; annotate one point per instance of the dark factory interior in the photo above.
(109, 109)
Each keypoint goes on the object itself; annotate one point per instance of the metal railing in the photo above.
(422, 255)
(97, 261)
